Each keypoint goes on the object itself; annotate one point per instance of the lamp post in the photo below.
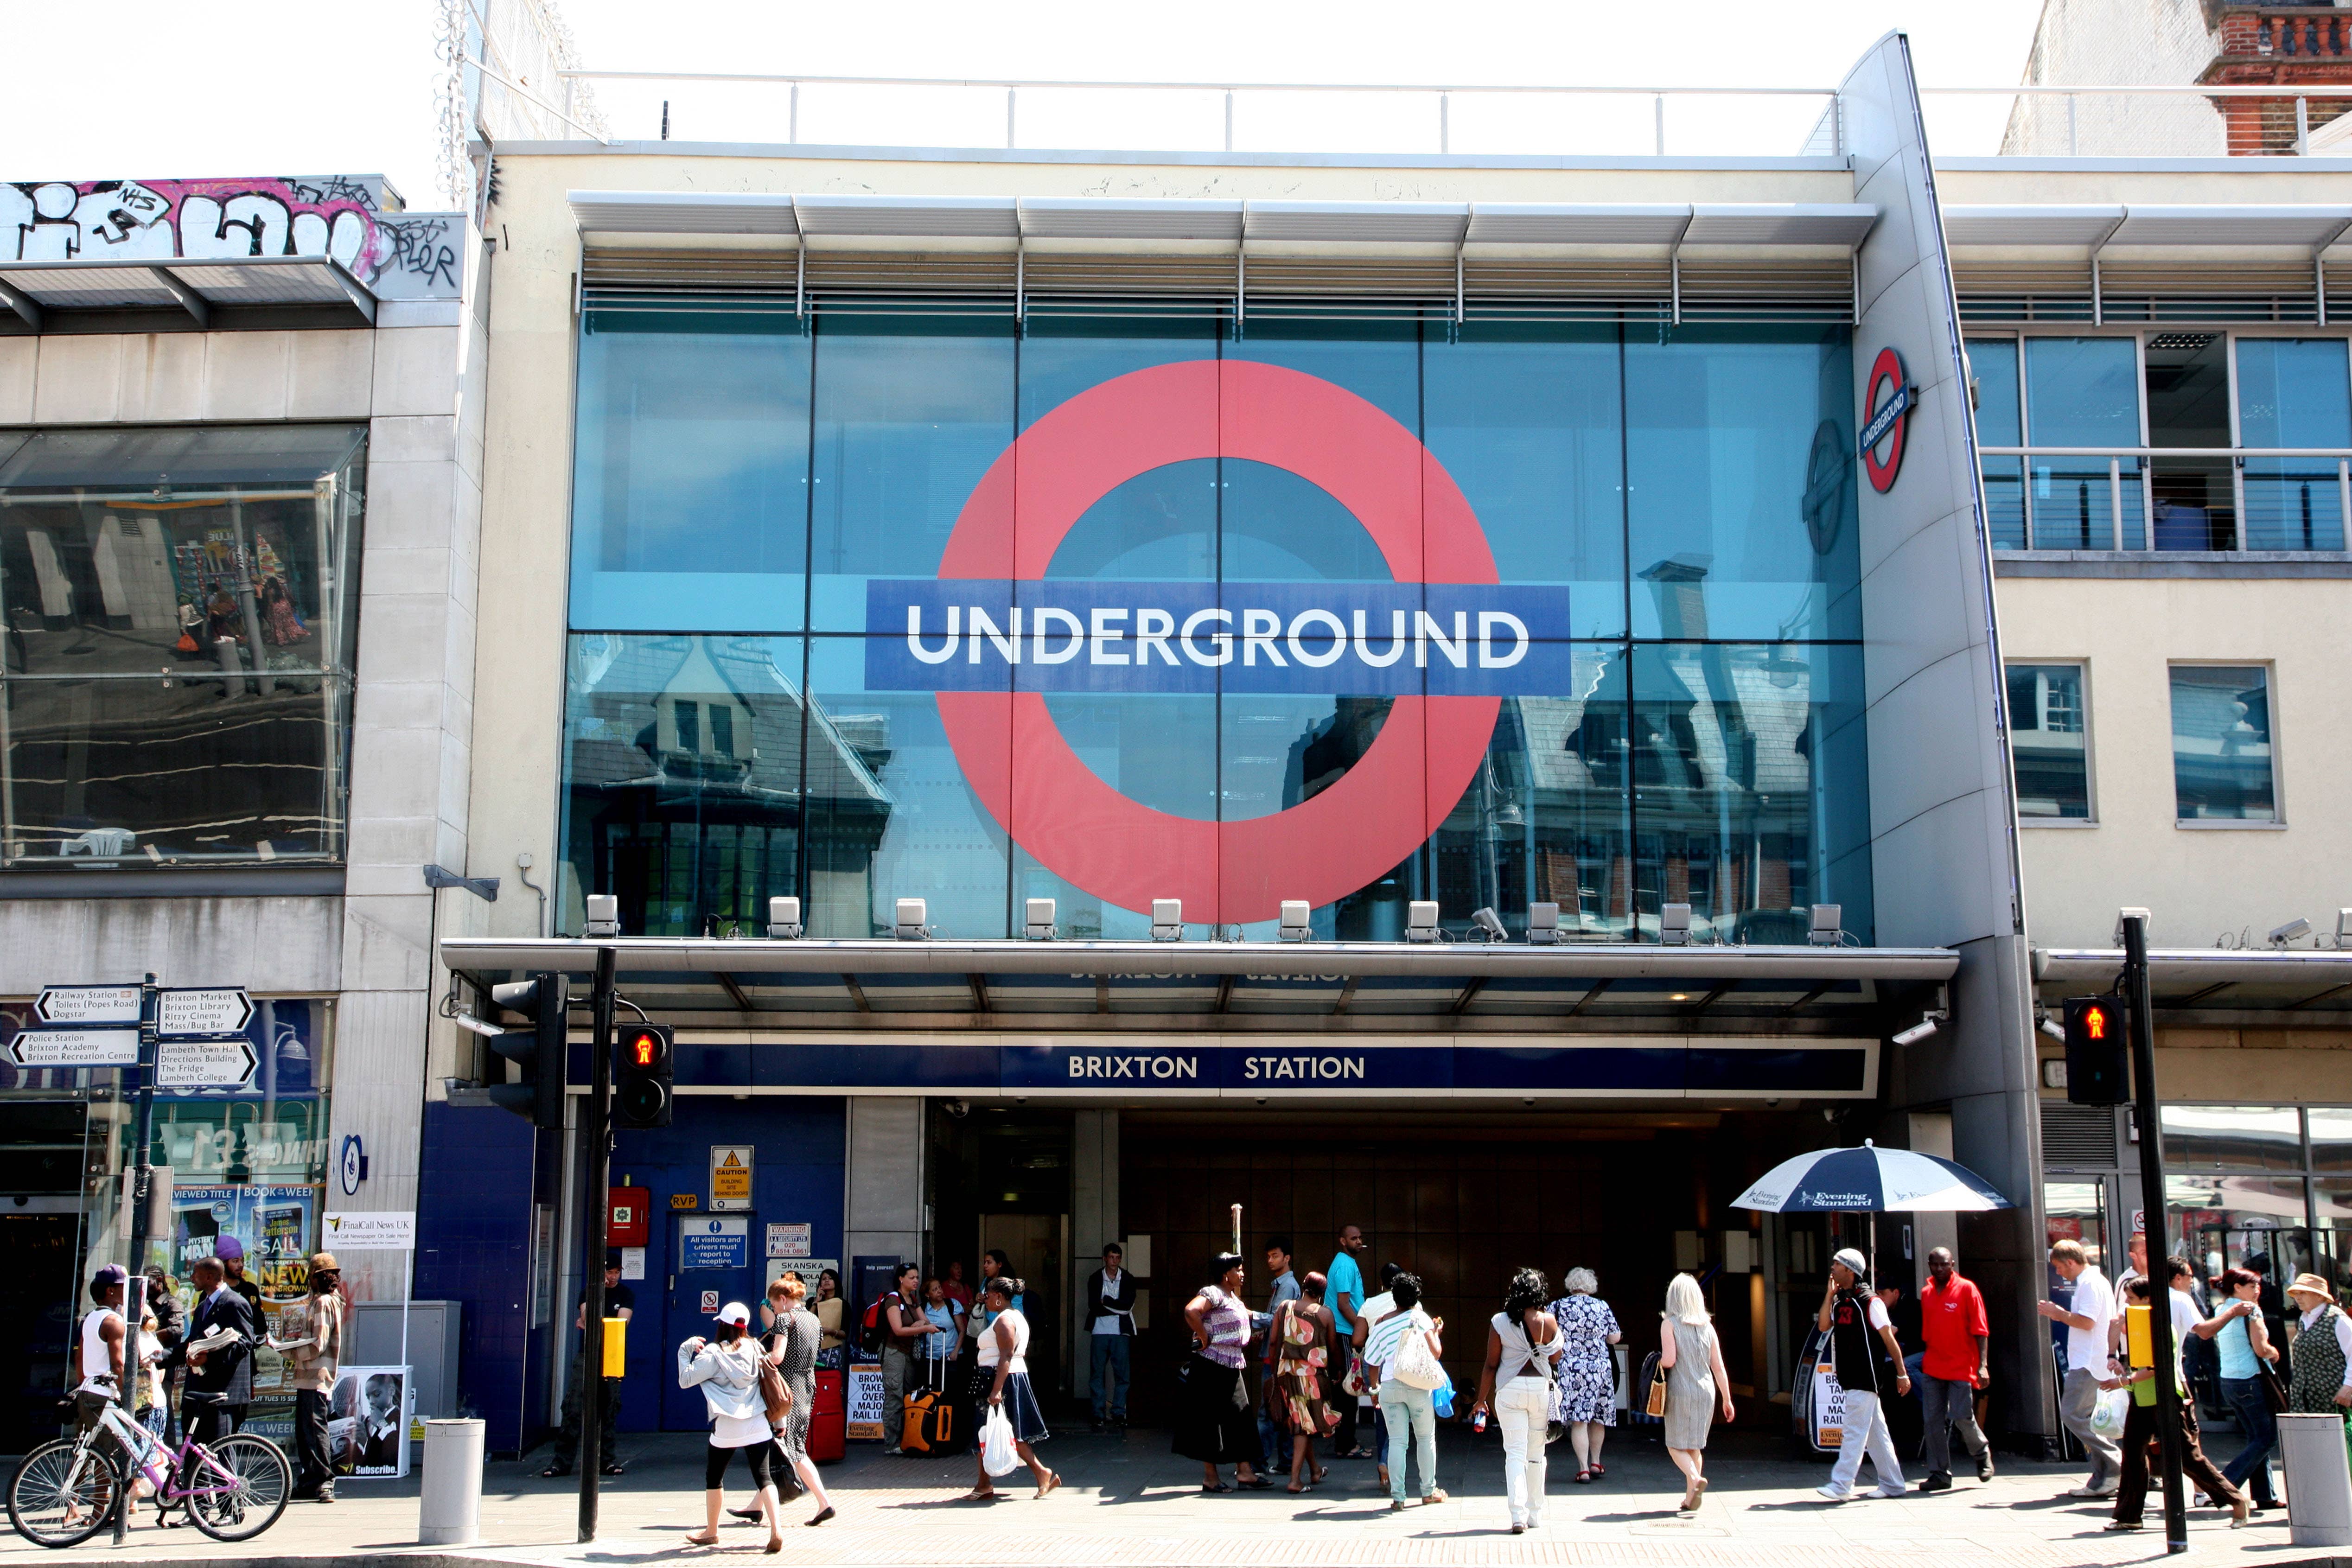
(2149, 1108)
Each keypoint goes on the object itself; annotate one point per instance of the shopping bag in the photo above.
(2108, 1414)
(996, 1451)
(1440, 1400)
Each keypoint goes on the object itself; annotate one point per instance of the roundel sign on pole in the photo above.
(1446, 596)
(1886, 419)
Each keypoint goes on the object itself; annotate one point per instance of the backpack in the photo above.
(874, 1334)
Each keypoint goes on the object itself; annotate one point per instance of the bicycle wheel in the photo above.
(244, 1489)
(63, 1494)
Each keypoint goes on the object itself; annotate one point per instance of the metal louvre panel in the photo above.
(618, 277)
(2029, 291)
(2077, 1136)
(1567, 291)
(1137, 275)
(1716, 291)
(2239, 291)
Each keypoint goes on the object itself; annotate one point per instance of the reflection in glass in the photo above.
(2239, 1221)
(2331, 1205)
(2048, 737)
(1740, 525)
(2221, 742)
(910, 411)
(1061, 357)
(2293, 391)
(2331, 1137)
(2081, 392)
(1380, 362)
(1525, 416)
(1749, 771)
(690, 500)
(2232, 1138)
(1992, 362)
(682, 778)
(1277, 750)
(894, 816)
(176, 642)
(1282, 527)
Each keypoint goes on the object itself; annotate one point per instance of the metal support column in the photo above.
(596, 1179)
(2147, 1105)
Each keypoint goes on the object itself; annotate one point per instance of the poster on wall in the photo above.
(865, 1396)
(806, 1269)
(274, 1227)
(367, 1425)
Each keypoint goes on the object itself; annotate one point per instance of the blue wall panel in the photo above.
(474, 1247)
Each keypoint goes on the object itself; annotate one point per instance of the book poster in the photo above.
(276, 1225)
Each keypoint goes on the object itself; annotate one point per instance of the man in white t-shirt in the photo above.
(2086, 1320)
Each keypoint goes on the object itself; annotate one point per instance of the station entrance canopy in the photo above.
(1232, 1020)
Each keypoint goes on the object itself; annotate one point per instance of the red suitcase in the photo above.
(828, 1418)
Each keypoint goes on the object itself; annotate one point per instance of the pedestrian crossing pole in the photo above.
(597, 1132)
(2147, 1109)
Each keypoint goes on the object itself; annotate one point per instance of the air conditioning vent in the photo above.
(2077, 1137)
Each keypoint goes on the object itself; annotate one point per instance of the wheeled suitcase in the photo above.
(933, 1427)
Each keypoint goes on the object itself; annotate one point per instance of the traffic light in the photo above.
(2095, 1051)
(641, 1096)
(538, 1051)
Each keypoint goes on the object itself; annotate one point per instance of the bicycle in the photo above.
(67, 1491)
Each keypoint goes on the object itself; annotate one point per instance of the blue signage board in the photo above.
(719, 1242)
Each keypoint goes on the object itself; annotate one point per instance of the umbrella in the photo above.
(1837, 1180)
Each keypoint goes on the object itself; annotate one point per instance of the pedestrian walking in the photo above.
(231, 1252)
(2247, 1355)
(790, 1346)
(2323, 1351)
(827, 1310)
(1954, 1366)
(903, 1328)
(2086, 1316)
(2142, 1418)
(1523, 1345)
(1587, 1400)
(621, 1302)
(103, 1346)
(1111, 1288)
(1690, 1358)
(1272, 1431)
(313, 1356)
(1403, 1352)
(1004, 1351)
(1213, 1423)
(1345, 1296)
(1869, 1366)
(1380, 1306)
(1304, 1335)
(727, 1368)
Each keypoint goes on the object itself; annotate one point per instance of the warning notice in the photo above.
(730, 1175)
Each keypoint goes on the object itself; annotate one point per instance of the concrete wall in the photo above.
(2124, 41)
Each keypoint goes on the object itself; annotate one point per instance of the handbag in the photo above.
(1654, 1406)
(1416, 1366)
(2274, 1391)
(773, 1393)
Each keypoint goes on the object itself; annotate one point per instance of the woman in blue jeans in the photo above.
(2242, 1341)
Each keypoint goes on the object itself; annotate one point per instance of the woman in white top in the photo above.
(1004, 1360)
(1523, 1345)
(728, 1368)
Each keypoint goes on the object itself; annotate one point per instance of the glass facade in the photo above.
(2049, 736)
(2222, 744)
(1082, 597)
(176, 665)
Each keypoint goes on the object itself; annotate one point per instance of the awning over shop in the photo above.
(883, 983)
(48, 295)
(2282, 980)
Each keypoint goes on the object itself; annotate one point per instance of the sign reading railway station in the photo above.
(86, 1005)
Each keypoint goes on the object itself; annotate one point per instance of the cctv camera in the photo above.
(958, 1108)
(2052, 1027)
(2294, 931)
(1916, 1032)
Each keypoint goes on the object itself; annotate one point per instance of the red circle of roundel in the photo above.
(1887, 368)
(1354, 832)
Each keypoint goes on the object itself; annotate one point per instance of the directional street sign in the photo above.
(201, 1010)
(88, 1005)
(76, 1048)
(223, 1063)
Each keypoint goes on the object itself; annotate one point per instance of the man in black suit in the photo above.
(220, 1380)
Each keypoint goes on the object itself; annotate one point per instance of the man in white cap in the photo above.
(1869, 1366)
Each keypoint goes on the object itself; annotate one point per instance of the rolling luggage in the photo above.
(934, 1425)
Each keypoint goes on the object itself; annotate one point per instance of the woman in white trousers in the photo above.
(1523, 1345)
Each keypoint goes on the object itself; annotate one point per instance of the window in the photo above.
(2295, 393)
(2048, 737)
(176, 657)
(2083, 393)
(2194, 502)
(1992, 362)
(2222, 744)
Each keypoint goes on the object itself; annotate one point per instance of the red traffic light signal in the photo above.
(641, 1095)
(645, 1049)
(2095, 1051)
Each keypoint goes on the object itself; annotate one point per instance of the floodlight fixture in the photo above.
(785, 920)
(1040, 923)
(913, 919)
(1828, 927)
(1167, 920)
(1421, 921)
(1543, 924)
(1489, 925)
(1673, 925)
(1296, 925)
(603, 915)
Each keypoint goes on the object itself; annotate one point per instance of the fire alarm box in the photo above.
(632, 1220)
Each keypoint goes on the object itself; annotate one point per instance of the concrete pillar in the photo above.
(883, 1213)
(1093, 1220)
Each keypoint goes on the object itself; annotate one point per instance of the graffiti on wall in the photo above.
(150, 220)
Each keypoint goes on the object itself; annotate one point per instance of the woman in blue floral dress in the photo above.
(1586, 1402)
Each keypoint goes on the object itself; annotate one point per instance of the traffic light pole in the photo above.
(2147, 1109)
(597, 1131)
(143, 1183)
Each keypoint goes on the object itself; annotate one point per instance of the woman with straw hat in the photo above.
(2323, 1351)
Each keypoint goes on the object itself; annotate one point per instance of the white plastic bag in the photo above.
(996, 1450)
(2108, 1414)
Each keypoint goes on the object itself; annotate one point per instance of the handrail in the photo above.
(2165, 451)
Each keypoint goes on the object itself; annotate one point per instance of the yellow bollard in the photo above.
(617, 1344)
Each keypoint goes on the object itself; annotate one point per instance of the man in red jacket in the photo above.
(1952, 1323)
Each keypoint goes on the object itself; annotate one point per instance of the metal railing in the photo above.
(1825, 138)
(2207, 500)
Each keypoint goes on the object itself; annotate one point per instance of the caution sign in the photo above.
(730, 1175)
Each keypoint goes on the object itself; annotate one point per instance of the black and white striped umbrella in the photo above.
(1844, 1181)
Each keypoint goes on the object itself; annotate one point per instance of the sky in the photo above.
(160, 88)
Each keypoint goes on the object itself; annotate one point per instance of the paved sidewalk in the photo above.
(1126, 1500)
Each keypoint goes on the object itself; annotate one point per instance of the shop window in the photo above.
(2222, 744)
(176, 656)
(2295, 393)
(2048, 738)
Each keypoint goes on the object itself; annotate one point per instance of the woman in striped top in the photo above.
(1215, 1424)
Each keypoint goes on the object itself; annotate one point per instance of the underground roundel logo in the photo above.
(992, 636)
(1886, 419)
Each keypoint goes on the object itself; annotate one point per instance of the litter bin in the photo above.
(2318, 1480)
(450, 1504)
(828, 1437)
